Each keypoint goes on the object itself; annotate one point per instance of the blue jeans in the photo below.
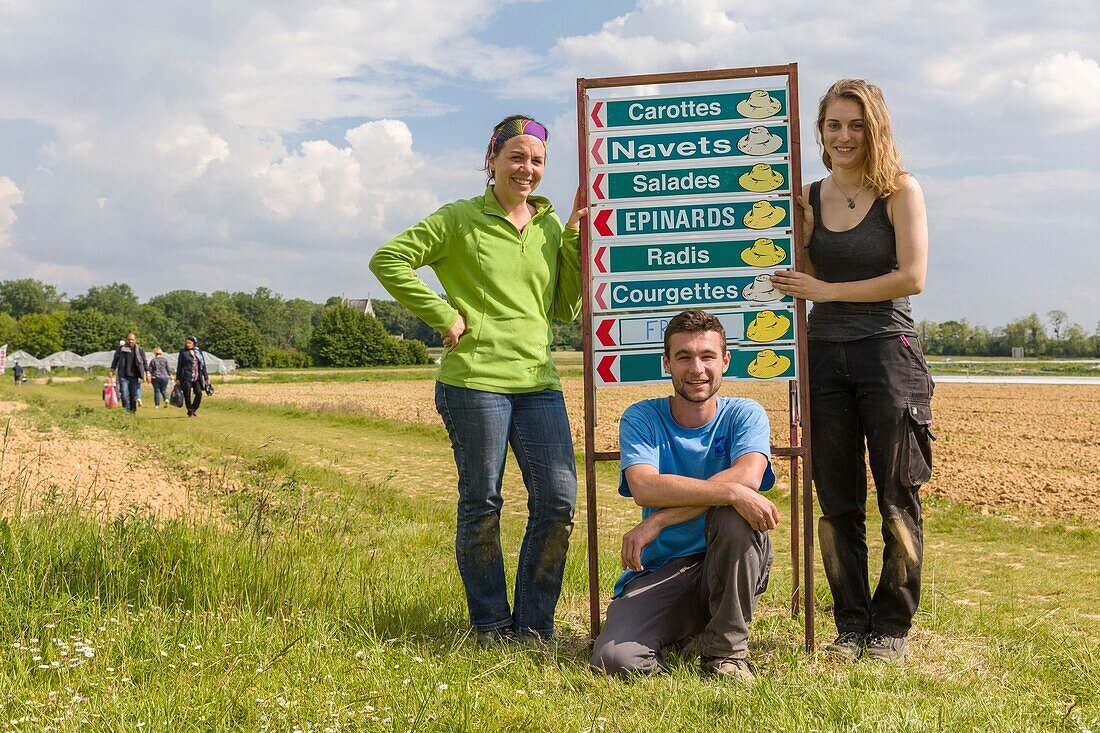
(129, 391)
(160, 390)
(482, 425)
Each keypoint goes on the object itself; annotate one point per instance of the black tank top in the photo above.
(867, 250)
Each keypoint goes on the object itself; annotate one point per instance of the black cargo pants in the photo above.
(878, 391)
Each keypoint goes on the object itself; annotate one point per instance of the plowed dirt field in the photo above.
(1018, 450)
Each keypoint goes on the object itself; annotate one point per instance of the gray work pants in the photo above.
(713, 595)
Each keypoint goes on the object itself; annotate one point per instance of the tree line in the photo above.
(257, 329)
(263, 329)
(1030, 333)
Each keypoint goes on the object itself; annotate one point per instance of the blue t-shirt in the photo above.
(648, 435)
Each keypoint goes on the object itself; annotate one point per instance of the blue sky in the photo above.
(230, 146)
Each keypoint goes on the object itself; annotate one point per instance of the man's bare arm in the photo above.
(646, 531)
(736, 486)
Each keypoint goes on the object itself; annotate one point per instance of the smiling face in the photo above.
(517, 168)
(843, 133)
(696, 360)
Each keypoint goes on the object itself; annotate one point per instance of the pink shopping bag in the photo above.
(110, 395)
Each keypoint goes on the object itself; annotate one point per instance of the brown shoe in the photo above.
(733, 668)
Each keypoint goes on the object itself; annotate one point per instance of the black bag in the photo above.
(208, 388)
(176, 398)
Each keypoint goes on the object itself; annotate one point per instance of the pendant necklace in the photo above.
(850, 199)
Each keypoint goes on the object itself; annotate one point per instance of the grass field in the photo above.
(313, 588)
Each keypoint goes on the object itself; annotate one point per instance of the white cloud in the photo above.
(349, 191)
(10, 196)
(1065, 89)
(187, 149)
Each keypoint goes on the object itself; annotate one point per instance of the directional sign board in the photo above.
(743, 327)
(699, 108)
(690, 206)
(643, 367)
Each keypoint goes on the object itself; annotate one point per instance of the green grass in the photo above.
(1000, 366)
(325, 596)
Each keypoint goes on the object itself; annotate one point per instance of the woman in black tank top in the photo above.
(867, 239)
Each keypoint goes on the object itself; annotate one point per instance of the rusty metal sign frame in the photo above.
(798, 451)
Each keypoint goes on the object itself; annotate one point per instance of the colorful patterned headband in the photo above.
(517, 126)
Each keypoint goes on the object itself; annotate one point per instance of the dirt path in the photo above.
(98, 472)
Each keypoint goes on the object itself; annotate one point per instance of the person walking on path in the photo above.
(131, 369)
(161, 374)
(701, 557)
(191, 375)
(867, 237)
(508, 268)
(17, 372)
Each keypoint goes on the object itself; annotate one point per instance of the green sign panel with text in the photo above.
(684, 292)
(743, 142)
(757, 104)
(743, 179)
(759, 253)
(627, 221)
(637, 367)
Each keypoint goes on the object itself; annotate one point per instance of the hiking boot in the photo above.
(496, 637)
(730, 668)
(883, 648)
(531, 639)
(849, 645)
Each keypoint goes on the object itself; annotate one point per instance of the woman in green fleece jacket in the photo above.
(508, 267)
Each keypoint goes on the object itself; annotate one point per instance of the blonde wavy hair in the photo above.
(882, 171)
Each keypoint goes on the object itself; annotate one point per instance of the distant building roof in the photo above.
(363, 305)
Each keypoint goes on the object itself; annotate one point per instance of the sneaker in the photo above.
(730, 668)
(848, 645)
(883, 648)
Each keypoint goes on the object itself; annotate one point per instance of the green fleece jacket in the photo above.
(508, 286)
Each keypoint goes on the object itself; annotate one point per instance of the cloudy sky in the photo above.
(225, 146)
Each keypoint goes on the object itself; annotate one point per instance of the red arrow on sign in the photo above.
(596, 150)
(596, 186)
(603, 332)
(596, 116)
(605, 368)
(600, 290)
(603, 223)
(600, 264)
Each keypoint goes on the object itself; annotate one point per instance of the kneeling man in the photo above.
(699, 559)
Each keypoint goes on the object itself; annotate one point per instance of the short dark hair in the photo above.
(694, 321)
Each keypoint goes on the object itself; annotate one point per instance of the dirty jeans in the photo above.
(481, 426)
(712, 595)
(879, 391)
